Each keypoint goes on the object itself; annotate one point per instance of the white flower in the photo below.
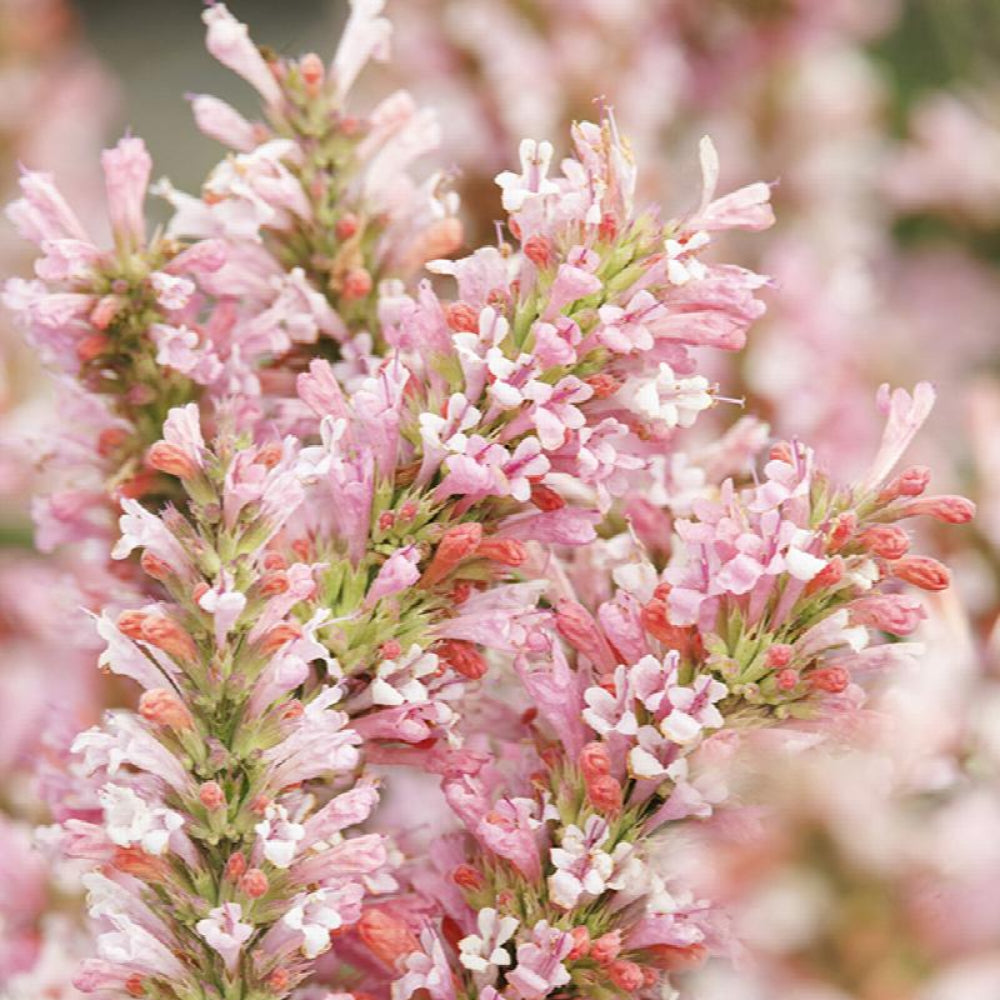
(397, 682)
(224, 932)
(582, 867)
(280, 836)
(131, 820)
(666, 399)
(318, 913)
(484, 952)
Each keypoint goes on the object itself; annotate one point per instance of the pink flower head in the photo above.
(126, 175)
(223, 930)
(229, 41)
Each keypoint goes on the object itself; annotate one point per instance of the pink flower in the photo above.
(229, 41)
(223, 930)
(540, 969)
(126, 171)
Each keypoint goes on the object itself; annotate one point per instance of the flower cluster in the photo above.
(348, 497)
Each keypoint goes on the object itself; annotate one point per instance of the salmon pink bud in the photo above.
(577, 626)
(236, 866)
(545, 498)
(254, 883)
(899, 614)
(608, 229)
(110, 440)
(386, 520)
(357, 284)
(910, 482)
(779, 655)
(781, 451)
(833, 680)
(843, 527)
(605, 793)
(625, 975)
(594, 761)
(581, 943)
(105, 311)
(311, 68)
(275, 561)
(386, 936)
(949, 509)
(457, 543)
(604, 385)
(606, 948)
(260, 805)
(279, 981)
(468, 878)
(538, 249)
(278, 635)
(153, 566)
(829, 576)
(921, 571)
(130, 623)
(787, 679)
(211, 795)
(165, 457)
(92, 346)
(390, 650)
(134, 987)
(167, 635)
(671, 958)
(346, 226)
(163, 707)
(461, 317)
(462, 657)
(506, 551)
(274, 583)
(886, 540)
(135, 861)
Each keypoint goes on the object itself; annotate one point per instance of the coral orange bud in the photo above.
(468, 878)
(386, 936)
(462, 657)
(166, 634)
(110, 440)
(605, 793)
(135, 861)
(134, 987)
(787, 679)
(457, 543)
(274, 583)
(357, 284)
(163, 707)
(604, 385)
(670, 958)
(311, 68)
(779, 655)
(626, 975)
(949, 509)
(910, 482)
(211, 795)
(279, 981)
(154, 566)
(105, 311)
(461, 317)
(538, 249)
(886, 540)
(236, 866)
(829, 576)
(833, 680)
(92, 346)
(130, 623)
(843, 527)
(545, 498)
(168, 458)
(607, 947)
(594, 760)
(922, 571)
(278, 635)
(347, 225)
(254, 883)
(506, 551)
(581, 943)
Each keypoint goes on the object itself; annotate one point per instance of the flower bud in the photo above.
(278, 635)
(921, 571)
(671, 958)
(581, 943)
(254, 883)
(462, 657)
(606, 948)
(168, 458)
(311, 68)
(166, 634)
(833, 680)
(626, 975)
(235, 866)
(910, 482)
(843, 527)
(211, 795)
(605, 793)
(134, 987)
(163, 707)
(829, 576)
(545, 498)
(506, 551)
(888, 541)
(949, 509)
(135, 861)
(538, 249)
(787, 679)
(386, 936)
(357, 284)
(153, 566)
(468, 878)
(130, 623)
(458, 543)
(461, 317)
(346, 226)
(594, 760)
